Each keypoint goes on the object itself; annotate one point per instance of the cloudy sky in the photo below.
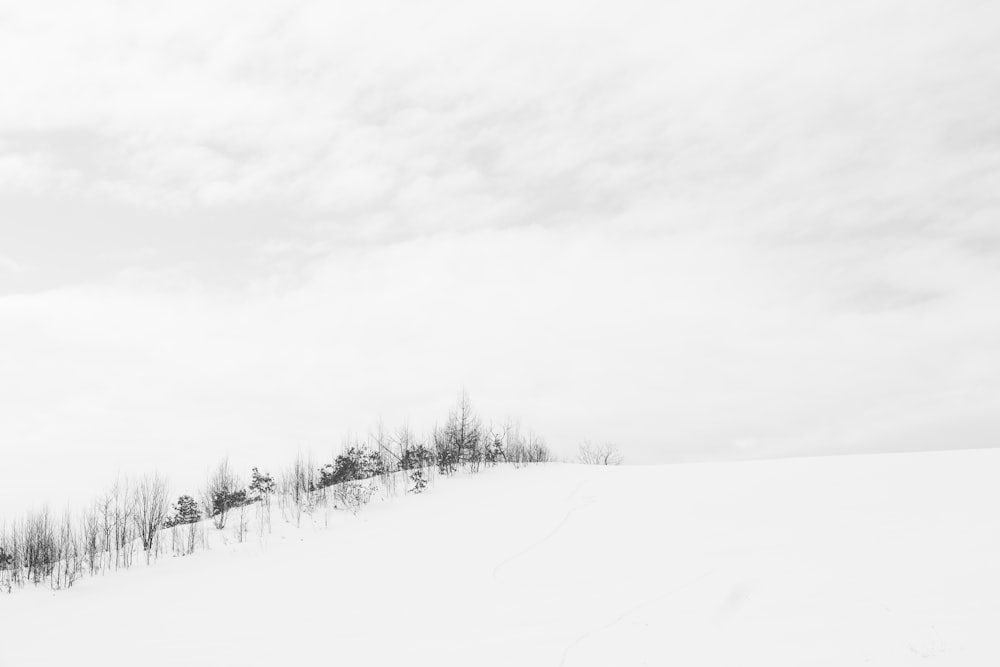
(701, 230)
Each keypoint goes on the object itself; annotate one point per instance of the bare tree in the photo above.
(296, 485)
(11, 554)
(460, 441)
(383, 440)
(150, 500)
(39, 546)
(603, 455)
(242, 523)
(123, 510)
(92, 543)
(105, 508)
(222, 493)
(69, 553)
(405, 440)
(520, 449)
(353, 495)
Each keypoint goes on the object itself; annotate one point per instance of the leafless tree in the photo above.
(92, 542)
(604, 455)
(301, 479)
(460, 441)
(123, 510)
(69, 553)
(218, 493)
(353, 495)
(150, 498)
(296, 485)
(105, 509)
(242, 522)
(520, 449)
(194, 530)
(404, 440)
(39, 546)
(383, 445)
(11, 563)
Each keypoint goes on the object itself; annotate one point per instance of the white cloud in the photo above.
(675, 347)
(676, 225)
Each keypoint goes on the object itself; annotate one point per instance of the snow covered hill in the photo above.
(881, 560)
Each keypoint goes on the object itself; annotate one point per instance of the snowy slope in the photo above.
(882, 560)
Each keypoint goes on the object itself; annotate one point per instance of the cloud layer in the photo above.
(699, 229)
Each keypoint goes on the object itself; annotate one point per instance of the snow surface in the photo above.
(881, 560)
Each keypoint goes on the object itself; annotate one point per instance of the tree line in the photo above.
(135, 519)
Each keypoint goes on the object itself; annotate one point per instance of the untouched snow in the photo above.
(881, 560)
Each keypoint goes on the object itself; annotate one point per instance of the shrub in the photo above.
(533, 450)
(261, 485)
(224, 500)
(494, 450)
(417, 457)
(356, 463)
(602, 455)
(222, 492)
(185, 511)
(419, 481)
(461, 439)
(353, 495)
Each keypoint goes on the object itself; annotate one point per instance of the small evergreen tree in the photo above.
(355, 463)
(447, 459)
(417, 457)
(223, 500)
(327, 475)
(185, 511)
(261, 485)
(419, 481)
(494, 452)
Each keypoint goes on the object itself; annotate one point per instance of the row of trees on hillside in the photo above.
(42, 547)
(136, 518)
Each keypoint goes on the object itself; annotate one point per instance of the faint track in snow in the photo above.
(537, 544)
(631, 610)
(551, 534)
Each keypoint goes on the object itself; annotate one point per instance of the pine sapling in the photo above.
(419, 481)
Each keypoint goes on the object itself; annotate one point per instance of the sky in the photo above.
(699, 230)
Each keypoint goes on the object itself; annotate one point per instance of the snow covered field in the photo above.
(881, 560)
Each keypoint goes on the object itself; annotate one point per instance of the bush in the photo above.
(447, 459)
(185, 511)
(419, 481)
(223, 501)
(417, 457)
(353, 495)
(222, 493)
(494, 450)
(356, 463)
(600, 455)
(461, 439)
(532, 450)
(261, 485)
